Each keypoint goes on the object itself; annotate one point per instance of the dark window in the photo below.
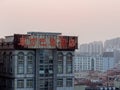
(59, 82)
(41, 61)
(69, 82)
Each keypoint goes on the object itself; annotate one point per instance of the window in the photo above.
(30, 59)
(20, 67)
(20, 83)
(29, 83)
(59, 82)
(50, 69)
(21, 56)
(30, 67)
(69, 82)
(92, 64)
(41, 61)
(50, 83)
(9, 83)
(46, 84)
(20, 63)
(41, 71)
(51, 61)
(60, 64)
(60, 68)
(42, 82)
(69, 63)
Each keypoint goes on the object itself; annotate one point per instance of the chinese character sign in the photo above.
(67, 42)
(45, 41)
(62, 42)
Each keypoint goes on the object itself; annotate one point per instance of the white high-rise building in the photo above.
(108, 61)
(93, 48)
(112, 44)
(101, 63)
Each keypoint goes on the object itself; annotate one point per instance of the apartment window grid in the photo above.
(46, 67)
(42, 63)
(46, 70)
(46, 84)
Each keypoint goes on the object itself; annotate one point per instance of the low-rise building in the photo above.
(88, 63)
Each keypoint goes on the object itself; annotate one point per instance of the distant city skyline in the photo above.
(90, 20)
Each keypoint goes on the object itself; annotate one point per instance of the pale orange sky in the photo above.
(91, 20)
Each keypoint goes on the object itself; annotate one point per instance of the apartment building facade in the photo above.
(37, 61)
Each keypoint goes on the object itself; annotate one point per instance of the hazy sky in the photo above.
(91, 20)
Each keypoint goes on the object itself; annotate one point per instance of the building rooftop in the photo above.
(43, 33)
(108, 54)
